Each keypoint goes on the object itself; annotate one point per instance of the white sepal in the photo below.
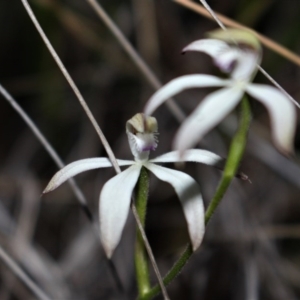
(212, 47)
(208, 114)
(188, 192)
(242, 61)
(191, 155)
(80, 166)
(246, 65)
(177, 85)
(282, 114)
(114, 206)
(223, 55)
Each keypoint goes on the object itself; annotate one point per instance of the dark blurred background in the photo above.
(252, 244)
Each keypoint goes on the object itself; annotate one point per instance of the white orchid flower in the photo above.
(116, 194)
(240, 61)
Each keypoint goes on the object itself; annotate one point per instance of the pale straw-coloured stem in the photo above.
(136, 58)
(150, 76)
(220, 23)
(73, 86)
(150, 253)
(53, 154)
(93, 121)
(278, 85)
(79, 97)
(272, 45)
(37, 291)
(78, 193)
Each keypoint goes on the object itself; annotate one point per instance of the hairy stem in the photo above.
(141, 261)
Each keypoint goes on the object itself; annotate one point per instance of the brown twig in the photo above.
(228, 22)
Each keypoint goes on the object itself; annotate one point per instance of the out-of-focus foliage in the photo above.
(251, 248)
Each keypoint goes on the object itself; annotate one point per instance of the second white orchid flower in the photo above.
(115, 197)
(240, 61)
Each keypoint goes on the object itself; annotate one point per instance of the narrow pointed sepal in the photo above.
(223, 55)
(241, 62)
(282, 114)
(80, 166)
(208, 114)
(212, 47)
(177, 85)
(188, 192)
(114, 206)
(191, 155)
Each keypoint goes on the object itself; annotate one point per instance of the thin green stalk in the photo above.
(176, 269)
(235, 154)
(141, 261)
(23, 276)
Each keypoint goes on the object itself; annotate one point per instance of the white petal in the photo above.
(211, 47)
(246, 65)
(179, 84)
(190, 197)
(282, 114)
(208, 114)
(223, 55)
(226, 61)
(114, 205)
(80, 166)
(193, 155)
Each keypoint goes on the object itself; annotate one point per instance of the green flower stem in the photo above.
(141, 261)
(235, 154)
(176, 269)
